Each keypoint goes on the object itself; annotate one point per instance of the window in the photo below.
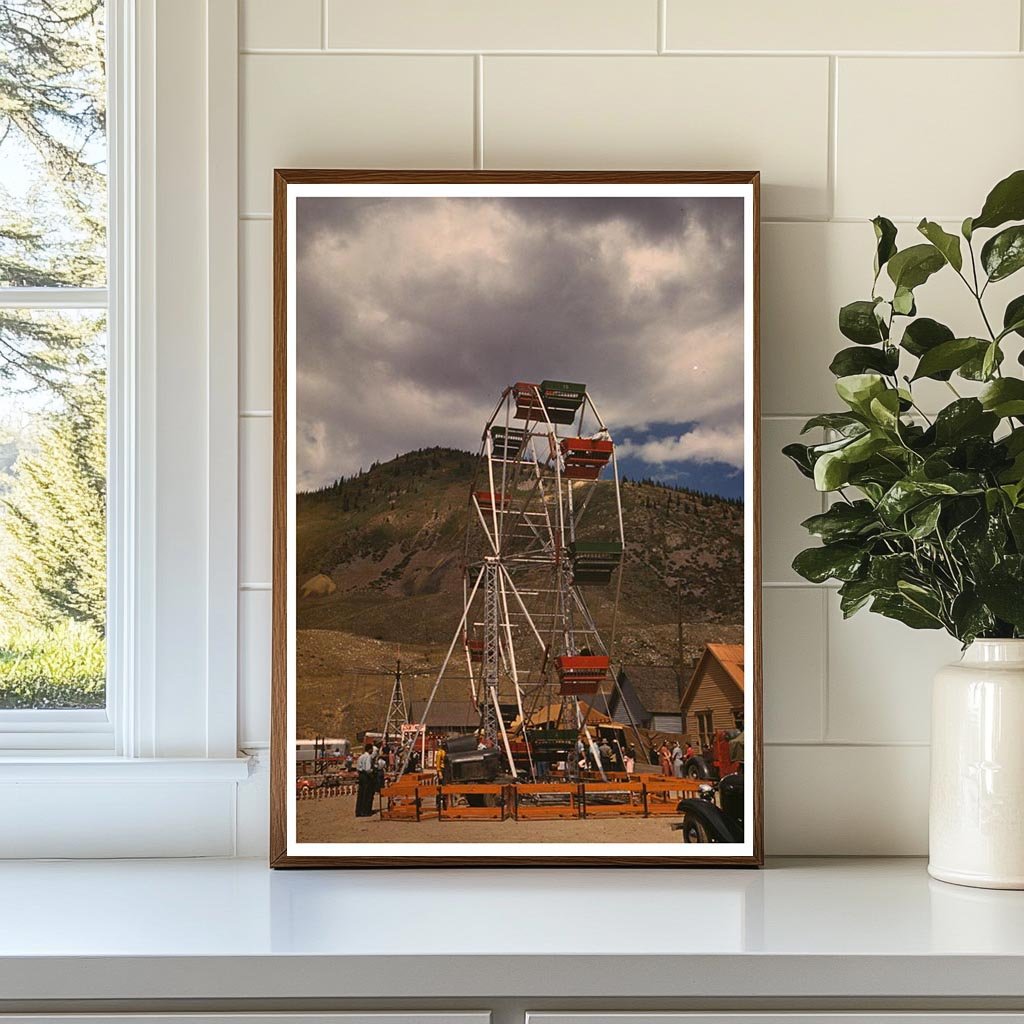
(705, 727)
(53, 359)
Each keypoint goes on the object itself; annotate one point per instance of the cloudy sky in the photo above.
(414, 313)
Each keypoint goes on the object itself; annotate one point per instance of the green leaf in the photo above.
(866, 445)
(903, 302)
(854, 594)
(849, 361)
(966, 417)
(950, 355)
(885, 409)
(799, 455)
(906, 494)
(842, 521)
(990, 360)
(965, 229)
(857, 321)
(912, 267)
(974, 368)
(1005, 596)
(886, 571)
(885, 237)
(1013, 317)
(897, 607)
(1003, 254)
(1004, 397)
(923, 335)
(1005, 202)
(858, 389)
(970, 617)
(947, 244)
(831, 471)
(925, 518)
(840, 561)
(841, 421)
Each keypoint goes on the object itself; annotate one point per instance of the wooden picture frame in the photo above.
(287, 847)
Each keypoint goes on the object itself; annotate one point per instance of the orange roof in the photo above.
(730, 657)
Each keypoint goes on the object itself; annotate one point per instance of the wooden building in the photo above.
(447, 716)
(650, 698)
(713, 698)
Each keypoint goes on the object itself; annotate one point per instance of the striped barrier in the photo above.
(326, 792)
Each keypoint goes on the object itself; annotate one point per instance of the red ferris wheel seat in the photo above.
(581, 673)
(585, 457)
(488, 501)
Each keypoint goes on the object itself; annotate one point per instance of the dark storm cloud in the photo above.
(413, 314)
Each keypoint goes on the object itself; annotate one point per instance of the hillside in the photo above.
(389, 543)
(379, 574)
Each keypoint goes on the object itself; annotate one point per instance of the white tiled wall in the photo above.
(906, 109)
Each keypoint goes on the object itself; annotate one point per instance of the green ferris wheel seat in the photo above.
(594, 561)
(559, 400)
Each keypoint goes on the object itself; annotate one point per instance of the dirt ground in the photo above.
(333, 821)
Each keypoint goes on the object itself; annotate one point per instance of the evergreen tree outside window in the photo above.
(53, 356)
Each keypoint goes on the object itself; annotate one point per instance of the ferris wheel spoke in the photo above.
(522, 607)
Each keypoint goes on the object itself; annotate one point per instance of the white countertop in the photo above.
(233, 929)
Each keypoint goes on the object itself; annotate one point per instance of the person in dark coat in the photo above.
(367, 783)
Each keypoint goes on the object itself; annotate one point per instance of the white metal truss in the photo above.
(521, 608)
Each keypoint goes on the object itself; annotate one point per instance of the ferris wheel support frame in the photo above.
(494, 577)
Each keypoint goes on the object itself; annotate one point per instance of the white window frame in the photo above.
(65, 730)
(171, 714)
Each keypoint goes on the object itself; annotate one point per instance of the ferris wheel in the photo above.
(544, 525)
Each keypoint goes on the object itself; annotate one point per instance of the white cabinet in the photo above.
(783, 1017)
(355, 1017)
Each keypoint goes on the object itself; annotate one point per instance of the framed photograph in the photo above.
(516, 557)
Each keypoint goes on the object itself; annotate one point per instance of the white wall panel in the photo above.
(876, 25)
(271, 23)
(879, 677)
(254, 625)
(503, 25)
(256, 304)
(794, 663)
(256, 444)
(694, 113)
(961, 130)
(846, 801)
(356, 111)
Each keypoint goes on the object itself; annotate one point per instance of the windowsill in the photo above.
(78, 766)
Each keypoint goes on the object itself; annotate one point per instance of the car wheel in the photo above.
(697, 768)
(694, 830)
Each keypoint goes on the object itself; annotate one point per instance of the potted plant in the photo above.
(926, 521)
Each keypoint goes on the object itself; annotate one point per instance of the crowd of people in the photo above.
(672, 758)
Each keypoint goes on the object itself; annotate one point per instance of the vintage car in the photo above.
(705, 821)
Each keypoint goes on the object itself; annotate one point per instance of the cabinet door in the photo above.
(783, 1017)
(354, 1017)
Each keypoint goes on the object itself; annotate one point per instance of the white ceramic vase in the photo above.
(976, 814)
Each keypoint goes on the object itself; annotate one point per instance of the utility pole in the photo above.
(679, 624)
(398, 714)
